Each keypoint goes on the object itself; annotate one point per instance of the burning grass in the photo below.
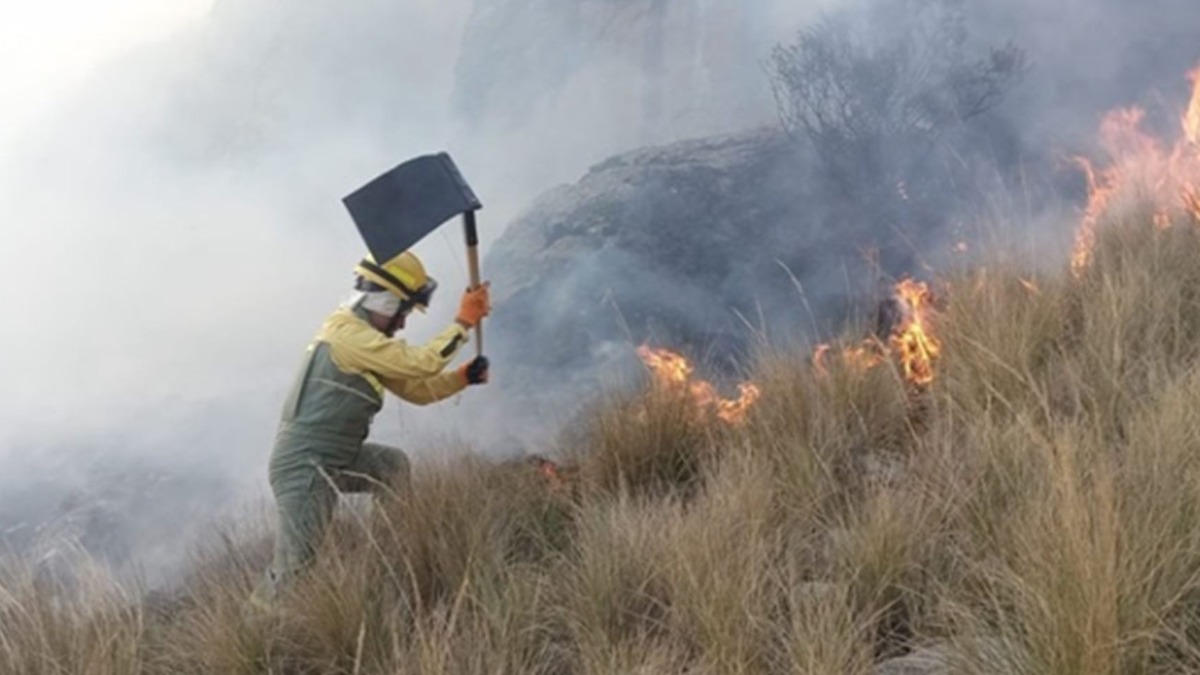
(904, 335)
(675, 375)
(1032, 509)
(1138, 168)
(1004, 481)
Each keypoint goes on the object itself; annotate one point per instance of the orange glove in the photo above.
(476, 304)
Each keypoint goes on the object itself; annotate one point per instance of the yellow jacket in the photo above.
(414, 373)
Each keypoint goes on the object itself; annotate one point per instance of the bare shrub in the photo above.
(875, 94)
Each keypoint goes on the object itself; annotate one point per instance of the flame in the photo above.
(1099, 195)
(673, 372)
(558, 478)
(861, 357)
(818, 358)
(1140, 167)
(733, 411)
(866, 356)
(911, 341)
(1191, 119)
(549, 471)
(913, 344)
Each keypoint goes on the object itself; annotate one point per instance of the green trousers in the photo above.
(307, 476)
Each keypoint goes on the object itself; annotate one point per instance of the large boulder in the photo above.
(700, 245)
(654, 242)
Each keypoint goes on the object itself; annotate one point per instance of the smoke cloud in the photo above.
(172, 234)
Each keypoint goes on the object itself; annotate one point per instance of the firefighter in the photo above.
(320, 448)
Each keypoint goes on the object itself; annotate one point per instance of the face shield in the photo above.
(380, 300)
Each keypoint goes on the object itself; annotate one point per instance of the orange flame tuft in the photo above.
(673, 372)
(866, 356)
(1191, 119)
(559, 479)
(915, 346)
(1100, 192)
(1140, 167)
(911, 341)
(549, 471)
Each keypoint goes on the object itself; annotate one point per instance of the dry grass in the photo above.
(1036, 510)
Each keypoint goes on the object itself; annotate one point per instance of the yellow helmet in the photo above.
(404, 276)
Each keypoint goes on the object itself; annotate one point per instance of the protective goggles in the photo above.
(419, 297)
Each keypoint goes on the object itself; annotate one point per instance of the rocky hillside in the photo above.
(659, 242)
(698, 245)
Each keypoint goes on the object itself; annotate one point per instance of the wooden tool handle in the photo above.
(473, 269)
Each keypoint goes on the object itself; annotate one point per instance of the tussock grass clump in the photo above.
(1033, 510)
(68, 619)
(649, 444)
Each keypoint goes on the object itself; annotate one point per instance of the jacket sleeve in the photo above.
(426, 391)
(359, 348)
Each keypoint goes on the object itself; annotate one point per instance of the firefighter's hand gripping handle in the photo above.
(473, 269)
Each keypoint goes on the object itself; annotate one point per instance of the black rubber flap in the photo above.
(396, 210)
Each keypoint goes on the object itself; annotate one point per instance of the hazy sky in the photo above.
(49, 46)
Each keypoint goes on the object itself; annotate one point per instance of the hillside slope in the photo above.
(1032, 509)
(1003, 478)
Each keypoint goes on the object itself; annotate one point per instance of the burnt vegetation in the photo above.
(894, 102)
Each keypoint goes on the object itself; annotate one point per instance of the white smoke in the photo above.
(171, 228)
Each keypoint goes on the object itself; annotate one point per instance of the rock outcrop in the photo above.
(658, 69)
(659, 243)
(698, 245)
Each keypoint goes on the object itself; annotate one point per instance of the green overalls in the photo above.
(320, 448)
